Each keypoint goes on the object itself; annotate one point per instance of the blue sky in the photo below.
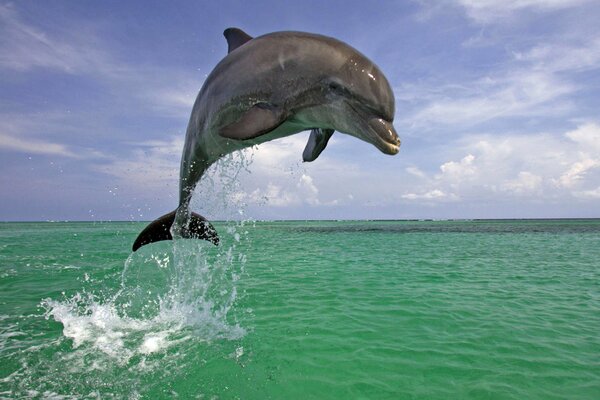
(497, 108)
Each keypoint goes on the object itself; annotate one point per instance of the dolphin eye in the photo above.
(335, 87)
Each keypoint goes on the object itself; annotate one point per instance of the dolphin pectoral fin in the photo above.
(256, 121)
(235, 38)
(316, 143)
(160, 229)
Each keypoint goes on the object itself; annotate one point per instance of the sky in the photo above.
(496, 106)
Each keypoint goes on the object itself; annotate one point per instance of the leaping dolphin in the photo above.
(270, 87)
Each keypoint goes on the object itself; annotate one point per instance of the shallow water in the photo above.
(372, 309)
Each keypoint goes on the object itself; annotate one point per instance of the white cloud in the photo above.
(275, 196)
(539, 77)
(434, 194)
(589, 194)
(526, 183)
(304, 191)
(272, 195)
(485, 11)
(34, 146)
(308, 188)
(458, 171)
(45, 133)
(533, 166)
(576, 172)
(416, 172)
(271, 156)
(587, 136)
(280, 178)
(152, 165)
(517, 93)
(23, 47)
(39, 133)
(560, 57)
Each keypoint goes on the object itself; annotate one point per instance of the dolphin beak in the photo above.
(384, 136)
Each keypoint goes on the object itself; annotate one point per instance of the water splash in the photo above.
(172, 296)
(187, 294)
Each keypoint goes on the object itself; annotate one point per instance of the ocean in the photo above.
(499, 309)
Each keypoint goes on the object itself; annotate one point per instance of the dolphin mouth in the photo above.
(385, 137)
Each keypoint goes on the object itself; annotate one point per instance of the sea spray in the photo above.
(180, 294)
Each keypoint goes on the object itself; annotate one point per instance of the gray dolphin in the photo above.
(270, 87)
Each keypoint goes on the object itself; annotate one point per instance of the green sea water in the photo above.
(291, 310)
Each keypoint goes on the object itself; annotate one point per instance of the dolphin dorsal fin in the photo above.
(235, 38)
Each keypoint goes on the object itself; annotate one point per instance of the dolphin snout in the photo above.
(386, 138)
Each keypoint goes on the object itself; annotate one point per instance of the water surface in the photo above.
(318, 309)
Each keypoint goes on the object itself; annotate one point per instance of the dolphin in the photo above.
(270, 87)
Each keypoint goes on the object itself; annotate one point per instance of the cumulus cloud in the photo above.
(526, 183)
(273, 195)
(536, 166)
(290, 193)
(576, 172)
(587, 136)
(587, 139)
(270, 157)
(454, 171)
(279, 177)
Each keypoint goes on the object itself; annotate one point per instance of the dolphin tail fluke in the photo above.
(160, 229)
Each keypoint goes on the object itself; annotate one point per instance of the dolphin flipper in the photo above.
(160, 229)
(261, 118)
(235, 38)
(316, 143)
